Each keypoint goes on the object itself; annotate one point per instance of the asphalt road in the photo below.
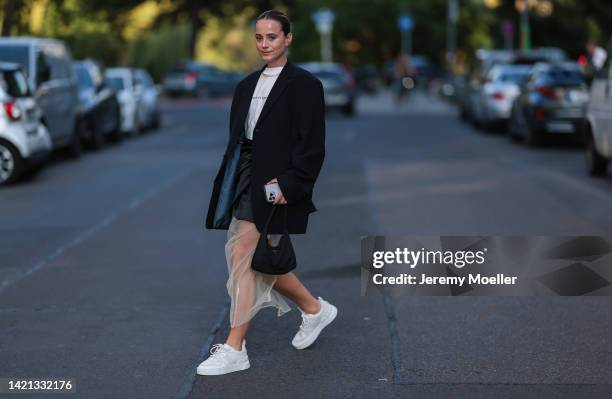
(109, 277)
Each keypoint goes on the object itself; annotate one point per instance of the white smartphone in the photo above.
(272, 191)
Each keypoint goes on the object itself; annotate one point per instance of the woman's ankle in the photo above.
(234, 344)
(314, 308)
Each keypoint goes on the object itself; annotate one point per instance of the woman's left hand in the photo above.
(280, 199)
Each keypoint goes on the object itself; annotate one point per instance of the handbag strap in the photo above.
(265, 229)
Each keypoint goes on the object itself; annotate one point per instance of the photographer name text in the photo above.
(477, 279)
(414, 258)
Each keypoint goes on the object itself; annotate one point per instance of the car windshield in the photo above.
(116, 82)
(564, 76)
(15, 54)
(83, 77)
(144, 79)
(328, 75)
(513, 77)
(15, 84)
(177, 70)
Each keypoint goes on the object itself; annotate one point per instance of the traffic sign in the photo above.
(405, 22)
(323, 19)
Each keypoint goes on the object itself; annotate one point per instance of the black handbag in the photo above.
(274, 260)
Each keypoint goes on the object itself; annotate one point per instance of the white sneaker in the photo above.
(313, 324)
(224, 359)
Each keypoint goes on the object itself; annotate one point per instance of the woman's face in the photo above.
(270, 40)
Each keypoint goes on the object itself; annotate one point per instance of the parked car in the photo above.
(426, 71)
(599, 121)
(24, 140)
(501, 87)
(553, 101)
(48, 65)
(99, 114)
(181, 80)
(196, 78)
(367, 78)
(469, 97)
(150, 99)
(486, 60)
(129, 94)
(338, 85)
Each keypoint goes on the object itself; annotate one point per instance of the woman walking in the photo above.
(277, 135)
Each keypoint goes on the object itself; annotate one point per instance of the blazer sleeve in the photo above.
(297, 182)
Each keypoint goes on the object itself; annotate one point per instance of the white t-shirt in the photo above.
(262, 90)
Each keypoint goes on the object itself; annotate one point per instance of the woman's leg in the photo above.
(291, 287)
(236, 335)
(242, 286)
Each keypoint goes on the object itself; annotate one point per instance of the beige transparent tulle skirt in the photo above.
(248, 289)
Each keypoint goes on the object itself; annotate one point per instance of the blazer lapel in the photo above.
(279, 86)
(243, 108)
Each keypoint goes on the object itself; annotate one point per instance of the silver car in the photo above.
(24, 140)
(150, 99)
(496, 95)
(129, 94)
(48, 65)
(338, 85)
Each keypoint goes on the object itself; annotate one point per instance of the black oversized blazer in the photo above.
(288, 144)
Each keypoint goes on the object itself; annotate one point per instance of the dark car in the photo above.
(366, 78)
(99, 114)
(338, 85)
(196, 78)
(553, 101)
(426, 71)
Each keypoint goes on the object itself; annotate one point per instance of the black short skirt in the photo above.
(242, 198)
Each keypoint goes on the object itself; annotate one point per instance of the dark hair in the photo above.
(279, 17)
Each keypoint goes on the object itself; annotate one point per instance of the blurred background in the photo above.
(444, 117)
(139, 50)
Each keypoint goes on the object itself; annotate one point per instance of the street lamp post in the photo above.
(405, 25)
(523, 8)
(324, 21)
(451, 33)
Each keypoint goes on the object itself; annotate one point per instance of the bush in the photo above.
(160, 50)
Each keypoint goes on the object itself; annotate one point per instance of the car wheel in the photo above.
(156, 120)
(116, 135)
(75, 147)
(11, 163)
(512, 126)
(532, 137)
(135, 126)
(95, 138)
(597, 165)
(349, 109)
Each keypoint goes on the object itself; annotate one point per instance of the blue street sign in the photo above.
(323, 16)
(405, 22)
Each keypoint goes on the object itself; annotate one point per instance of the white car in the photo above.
(501, 88)
(24, 140)
(150, 99)
(599, 122)
(133, 111)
